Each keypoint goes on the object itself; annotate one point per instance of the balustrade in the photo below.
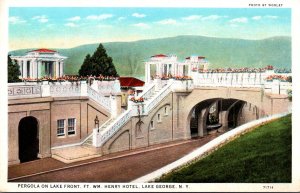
(148, 92)
(106, 133)
(159, 96)
(104, 101)
(25, 91)
(63, 90)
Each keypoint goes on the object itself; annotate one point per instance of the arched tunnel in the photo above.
(220, 115)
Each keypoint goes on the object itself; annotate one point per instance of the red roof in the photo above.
(43, 50)
(159, 56)
(130, 82)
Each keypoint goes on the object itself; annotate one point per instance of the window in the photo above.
(60, 127)
(71, 126)
(151, 125)
(166, 110)
(158, 118)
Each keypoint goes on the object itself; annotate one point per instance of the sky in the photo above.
(62, 27)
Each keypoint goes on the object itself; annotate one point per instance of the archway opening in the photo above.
(198, 117)
(28, 139)
(219, 115)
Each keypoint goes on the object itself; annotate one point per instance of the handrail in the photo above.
(148, 91)
(158, 97)
(114, 127)
(102, 100)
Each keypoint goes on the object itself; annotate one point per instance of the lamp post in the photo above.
(97, 123)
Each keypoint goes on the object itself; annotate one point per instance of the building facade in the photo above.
(58, 115)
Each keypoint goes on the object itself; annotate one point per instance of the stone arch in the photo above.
(28, 138)
(253, 96)
(231, 117)
(205, 106)
(165, 133)
(138, 130)
(155, 113)
(225, 107)
(120, 143)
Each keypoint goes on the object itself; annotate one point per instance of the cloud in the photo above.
(70, 24)
(141, 25)
(16, 20)
(256, 17)
(138, 15)
(213, 17)
(41, 18)
(167, 22)
(239, 20)
(271, 16)
(192, 17)
(76, 18)
(121, 18)
(99, 17)
(104, 26)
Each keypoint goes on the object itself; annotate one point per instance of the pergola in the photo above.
(41, 63)
(169, 66)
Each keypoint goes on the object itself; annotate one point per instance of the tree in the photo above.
(85, 68)
(98, 63)
(13, 70)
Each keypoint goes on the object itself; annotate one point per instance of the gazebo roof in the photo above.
(159, 56)
(43, 50)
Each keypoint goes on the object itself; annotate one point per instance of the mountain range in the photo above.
(128, 57)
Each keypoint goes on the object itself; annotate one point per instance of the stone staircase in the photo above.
(89, 141)
(151, 96)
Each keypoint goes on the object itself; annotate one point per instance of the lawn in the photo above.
(260, 156)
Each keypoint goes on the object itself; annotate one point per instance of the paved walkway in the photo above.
(118, 167)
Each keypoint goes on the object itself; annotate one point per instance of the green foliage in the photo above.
(98, 64)
(12, 70)
(261, 156)
(128, 57)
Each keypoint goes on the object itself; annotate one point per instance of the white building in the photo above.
(41, 63)
(161, 65)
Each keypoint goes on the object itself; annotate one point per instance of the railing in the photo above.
(63, 90)
(229, 79)
(147, 93)
(159, 96)
(104, 101)
(26, 91)
(100, 138)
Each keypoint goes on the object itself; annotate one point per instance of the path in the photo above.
(119, 167)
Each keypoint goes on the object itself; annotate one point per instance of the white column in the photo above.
(21, 68)
(56, 68)
(31, 69)
(39, 68)
(25, 75)
(146, 72)
(34, 69)
(167, 73)
(149, 72)
(61, 72)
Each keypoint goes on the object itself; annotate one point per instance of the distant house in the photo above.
(130, 86)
